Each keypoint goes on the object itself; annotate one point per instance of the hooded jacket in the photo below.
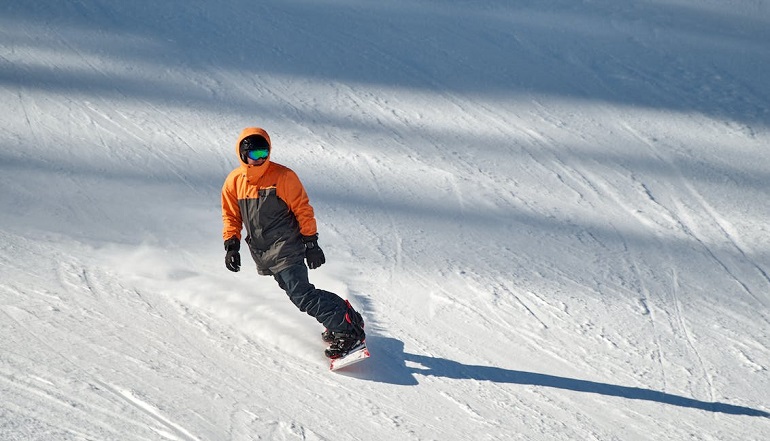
(271, 203)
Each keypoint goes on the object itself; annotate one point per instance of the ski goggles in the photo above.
(257, 154)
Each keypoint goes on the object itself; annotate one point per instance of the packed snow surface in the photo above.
(553, 215)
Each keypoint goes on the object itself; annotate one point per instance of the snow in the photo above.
(552, 214)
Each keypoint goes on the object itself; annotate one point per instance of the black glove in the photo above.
(233, 257)
(313, 253)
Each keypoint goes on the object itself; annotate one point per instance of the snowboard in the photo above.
(357, 354)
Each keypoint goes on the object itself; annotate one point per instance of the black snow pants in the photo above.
(328, 308)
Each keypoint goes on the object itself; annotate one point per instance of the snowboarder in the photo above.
(269, 200)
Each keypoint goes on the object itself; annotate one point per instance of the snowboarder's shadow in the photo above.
(390, 364)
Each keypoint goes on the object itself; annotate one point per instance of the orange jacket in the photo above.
(271, 203)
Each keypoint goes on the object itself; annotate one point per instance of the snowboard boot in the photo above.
(327, 336)
(343, 344)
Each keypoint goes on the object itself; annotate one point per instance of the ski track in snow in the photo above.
(552, 215)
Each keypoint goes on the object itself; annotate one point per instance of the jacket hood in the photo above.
(248, 131)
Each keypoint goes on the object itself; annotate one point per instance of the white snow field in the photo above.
(553, 215)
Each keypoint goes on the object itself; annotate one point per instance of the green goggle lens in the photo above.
(257, 154)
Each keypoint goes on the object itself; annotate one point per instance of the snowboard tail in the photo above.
(355, 355)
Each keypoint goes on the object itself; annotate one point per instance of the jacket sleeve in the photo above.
(231, 211)
(293, 193)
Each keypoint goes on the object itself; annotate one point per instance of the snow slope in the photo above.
(553, 215)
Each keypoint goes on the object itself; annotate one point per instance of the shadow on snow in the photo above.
(389, 365)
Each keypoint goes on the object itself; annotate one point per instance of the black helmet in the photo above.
(253, 142)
